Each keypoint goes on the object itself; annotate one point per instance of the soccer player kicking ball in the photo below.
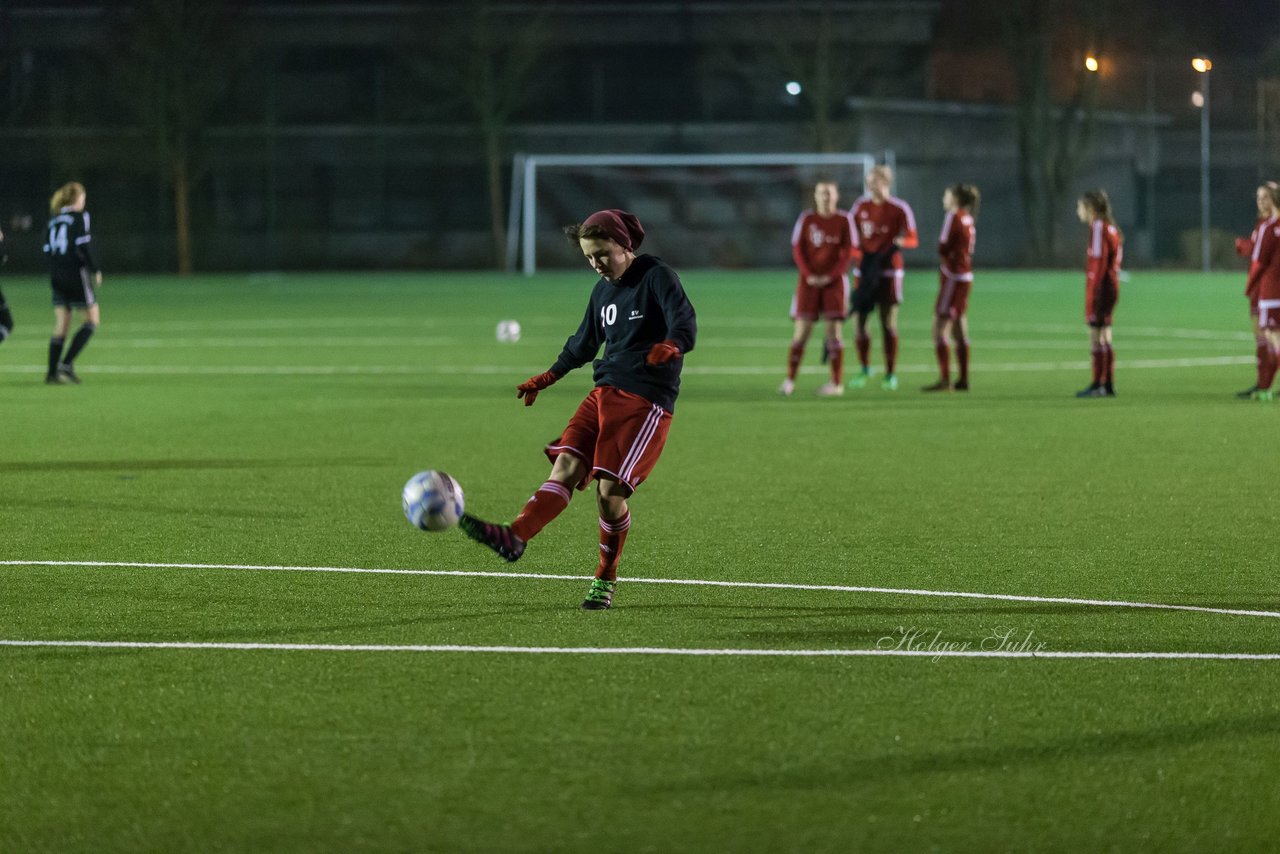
(639, 312)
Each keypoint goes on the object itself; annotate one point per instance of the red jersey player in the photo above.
(1102, 287)
(883, 225)
(1247, 248)
(1264, 280)
(822, 246)
(955, 279)
(639, 312)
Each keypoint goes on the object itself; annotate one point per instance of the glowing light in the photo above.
(1091, 63)
(793, 88)
(1197, 99)
(1201, 64)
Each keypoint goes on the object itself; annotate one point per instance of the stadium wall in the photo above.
(405, 197)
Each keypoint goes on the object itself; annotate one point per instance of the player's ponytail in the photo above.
(65, 195)
(1099, 204)
(966, 196)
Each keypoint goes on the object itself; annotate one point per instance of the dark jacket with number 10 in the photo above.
(645, 306)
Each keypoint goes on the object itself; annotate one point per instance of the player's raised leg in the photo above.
(547, 502)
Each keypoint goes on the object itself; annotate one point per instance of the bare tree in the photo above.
(481, 63)
(171, 63)
(1054, 139)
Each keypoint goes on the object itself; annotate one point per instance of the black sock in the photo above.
(6, 320)
(77, 343)
(55, 354)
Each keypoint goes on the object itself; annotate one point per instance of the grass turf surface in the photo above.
(271, 420)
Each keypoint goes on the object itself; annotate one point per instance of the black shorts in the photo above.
(73, 293)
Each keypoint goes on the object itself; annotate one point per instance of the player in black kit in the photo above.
(75, 277)
(6, 317)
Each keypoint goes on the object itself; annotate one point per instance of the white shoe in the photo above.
(787, 388)
(830, 390)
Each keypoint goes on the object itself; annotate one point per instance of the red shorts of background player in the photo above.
(617, 433)
(830, 302)
(1100, 304)
(1269, 314)
(953, 297)
(1253, 305)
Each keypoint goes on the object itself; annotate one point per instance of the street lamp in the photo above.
(1091, 63)
(1202, 65)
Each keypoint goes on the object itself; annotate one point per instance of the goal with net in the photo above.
(699, 210)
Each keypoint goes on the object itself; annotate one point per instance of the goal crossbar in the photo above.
(524, 208)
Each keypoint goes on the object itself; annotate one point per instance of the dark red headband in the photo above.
(621, 227)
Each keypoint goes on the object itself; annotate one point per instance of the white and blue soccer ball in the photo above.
(508, 331)
(432, 501)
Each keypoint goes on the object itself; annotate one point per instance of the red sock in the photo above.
(863, 341)
(962, 358)
(612, 537)
(543, 506)
(890, 351)
(1273, 364)
(794, 355)
(944, 360)
(1265, 372)
(1110, 370)
(836, 348)
(1098, 359)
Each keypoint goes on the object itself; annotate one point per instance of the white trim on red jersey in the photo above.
(946, 227)
(1257, 239)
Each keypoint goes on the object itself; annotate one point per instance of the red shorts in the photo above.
(1269, 314)
(953, 297)
(619, 433)
(830, 302)
(1253, 305)
(1100, 304)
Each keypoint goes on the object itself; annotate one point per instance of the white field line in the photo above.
(513, 370)
(756, 585)
(648, 650)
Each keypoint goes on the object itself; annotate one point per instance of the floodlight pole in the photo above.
(1204, 169)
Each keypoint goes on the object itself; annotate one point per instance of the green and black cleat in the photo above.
(600, 596)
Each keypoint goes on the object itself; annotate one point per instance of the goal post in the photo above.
(770, 187)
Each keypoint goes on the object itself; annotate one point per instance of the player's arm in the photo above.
(1262, 257)
(682, 322)
(908, 237)
(848, 250)
(82, 240)
(579, 349)
(798, 255)
(1244, 247)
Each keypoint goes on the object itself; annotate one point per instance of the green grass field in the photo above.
(233, 427)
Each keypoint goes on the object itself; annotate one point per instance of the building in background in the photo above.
(338, 135)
